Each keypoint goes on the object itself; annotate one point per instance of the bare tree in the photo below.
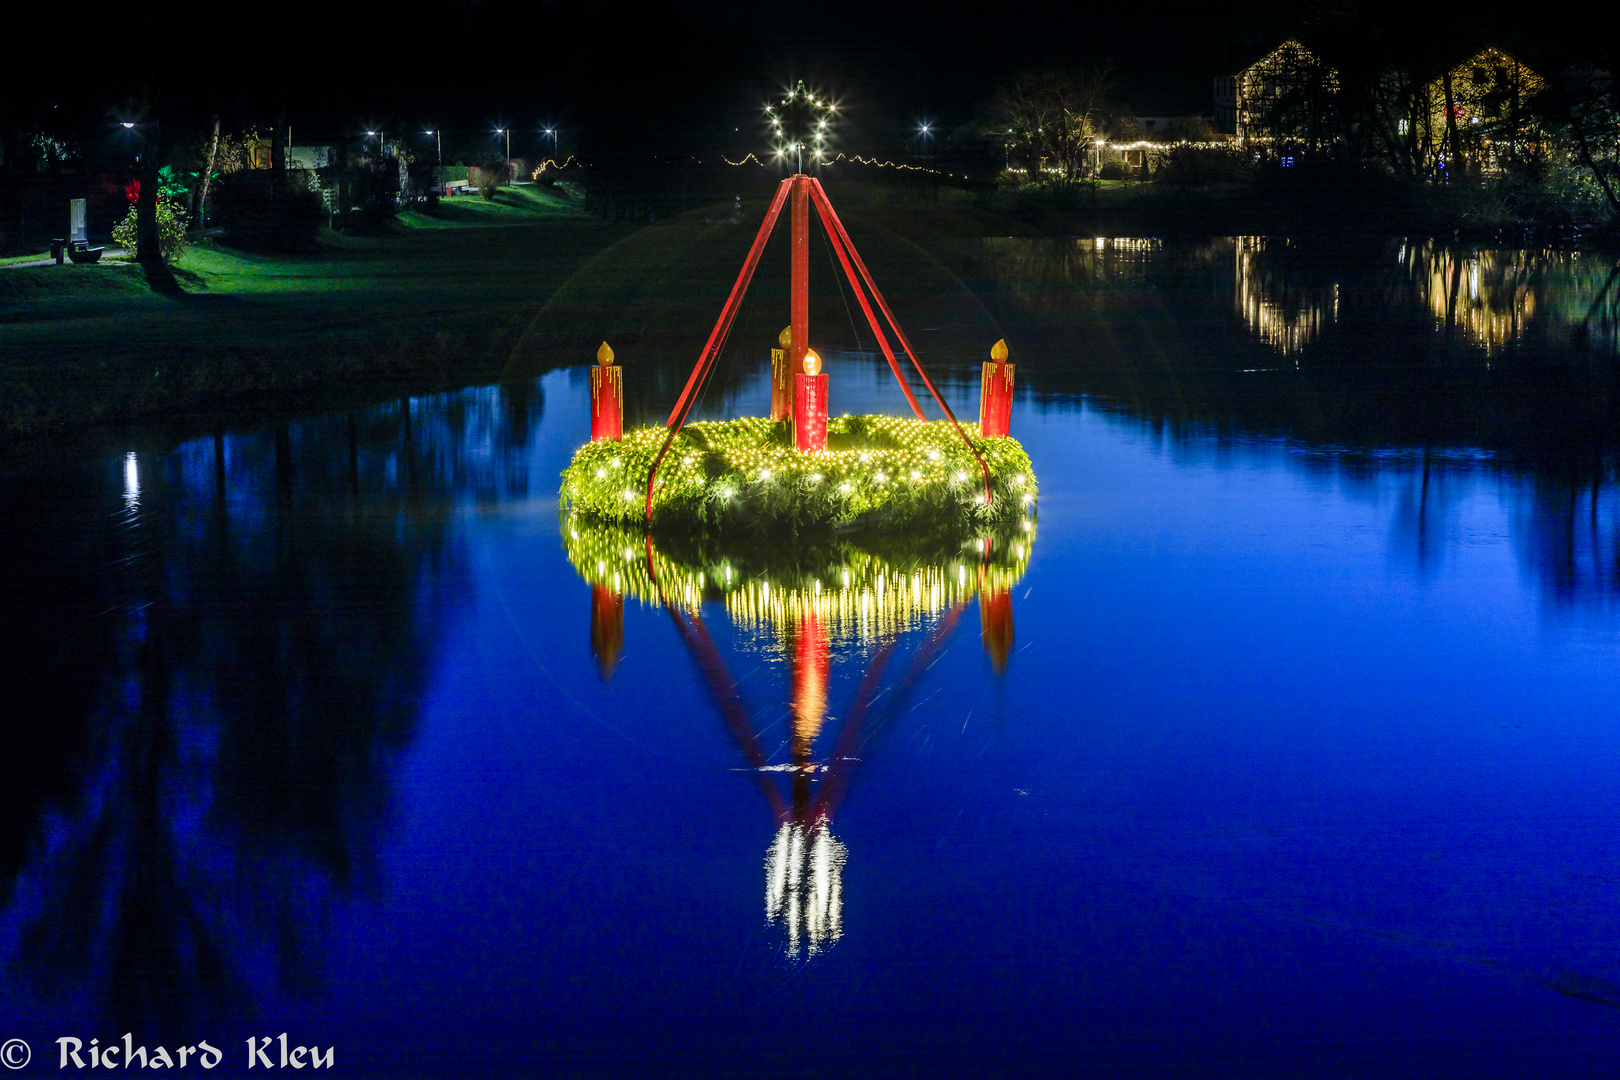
(199, 194)
(1054, 117)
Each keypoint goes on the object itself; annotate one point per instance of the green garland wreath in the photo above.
(877, 470)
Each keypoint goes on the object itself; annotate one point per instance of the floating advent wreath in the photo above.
(800, 469)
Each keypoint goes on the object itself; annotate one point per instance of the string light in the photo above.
(801, 101)
(856, 591)
(904, 469)
(548, 163)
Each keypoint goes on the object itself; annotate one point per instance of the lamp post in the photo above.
(438, 139)
(508, 133)
(551, 134)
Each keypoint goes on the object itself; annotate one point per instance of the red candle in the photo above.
(782, 377)
(995, 394)
(607, 398)
(810, 406)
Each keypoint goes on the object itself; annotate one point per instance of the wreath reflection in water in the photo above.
(797, 599)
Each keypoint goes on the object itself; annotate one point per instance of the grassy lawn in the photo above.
(511, 205)
(510, 288)
(12, 260)
(437, 306)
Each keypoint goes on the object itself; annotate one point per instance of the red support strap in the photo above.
(722, 688)
(711, 350)
(844, 759)
(850, 739)
(854, 283)
(677, 416)
(829, 214)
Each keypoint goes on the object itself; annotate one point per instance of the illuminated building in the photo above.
(1287, 94)
(1473, 117)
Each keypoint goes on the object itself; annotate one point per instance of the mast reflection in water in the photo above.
(804, 602)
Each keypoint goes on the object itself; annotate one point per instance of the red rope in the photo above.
(824, 206)
(722, 326)
(723, 689)
(883, 342)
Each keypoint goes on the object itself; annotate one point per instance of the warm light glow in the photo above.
(856, 598)
(812, 362)
(1287, 319)
(804, 886)
(132, 481)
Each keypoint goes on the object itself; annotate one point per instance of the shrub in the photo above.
(260, 214)
(171, 221)
(490, 176)
(1198, 165)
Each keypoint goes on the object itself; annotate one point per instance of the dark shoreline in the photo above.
(188, 372)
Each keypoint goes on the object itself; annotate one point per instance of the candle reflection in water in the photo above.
(797, 604)
(607, 628)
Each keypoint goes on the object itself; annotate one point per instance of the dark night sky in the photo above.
(628, 77)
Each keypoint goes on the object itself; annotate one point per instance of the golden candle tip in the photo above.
(812, 362)
(998, 351)
(785, 338)
(604, 355)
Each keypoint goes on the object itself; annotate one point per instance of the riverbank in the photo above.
(508, 291)
(425, 305)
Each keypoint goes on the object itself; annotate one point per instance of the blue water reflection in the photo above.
(1300, 760)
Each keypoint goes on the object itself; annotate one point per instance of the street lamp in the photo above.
(438, 139)
(508, 133)
(551, 133)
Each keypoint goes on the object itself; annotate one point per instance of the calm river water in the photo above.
(1284, 742)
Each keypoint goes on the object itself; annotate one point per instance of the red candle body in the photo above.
(996, 626)
(810, 412)
(607, 628)
(811, 661)
(781, 385)
(607, 403)
(995, 399)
